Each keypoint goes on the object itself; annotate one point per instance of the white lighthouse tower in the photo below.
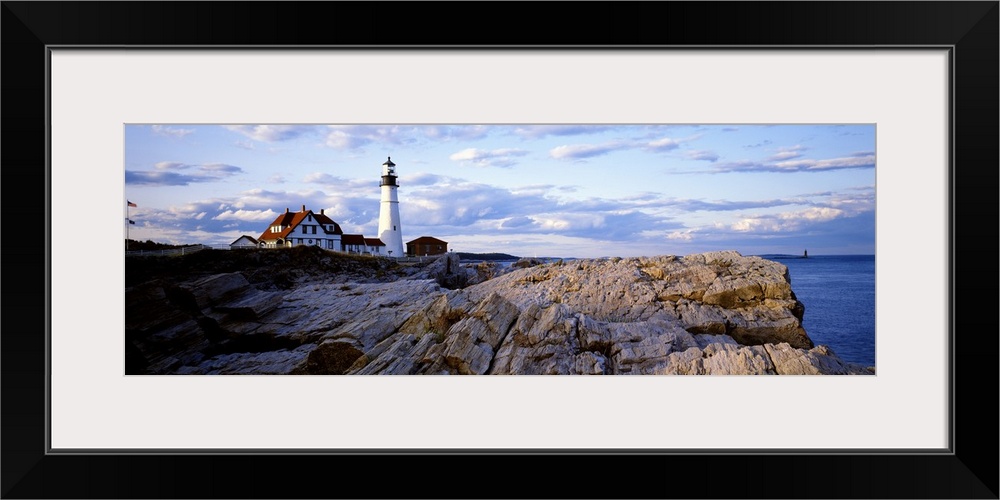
(389, 230)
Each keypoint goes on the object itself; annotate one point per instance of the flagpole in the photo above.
(128, 221)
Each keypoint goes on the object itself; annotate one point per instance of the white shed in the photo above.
(244, 242)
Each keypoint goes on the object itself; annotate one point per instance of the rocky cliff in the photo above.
(711, 313)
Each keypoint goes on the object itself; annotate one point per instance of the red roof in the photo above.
(287, 221)
(426, 240)
(374, 242)
(352, 239)
(326, 221)
(290, 220)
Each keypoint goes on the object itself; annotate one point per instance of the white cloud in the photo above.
(467, 154)
(814, 214)
(756, 224)
(247, 215)
(576, 151)
(854, 203)
(171, 132)
(488, 158)
(664, 144)
(165, 174)
(513, 222)
(426, 204)
(787, 221)
(787, 153)
(221, 168)
(271, 133)
(534, 190)
(345, 137)
(858, 160)
(570, 221)
(171, 165)
(861, 161)
(339, 139)
(697, 154)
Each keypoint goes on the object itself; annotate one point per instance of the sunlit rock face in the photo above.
(716, 313)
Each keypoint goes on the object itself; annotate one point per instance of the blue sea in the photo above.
(838, 292)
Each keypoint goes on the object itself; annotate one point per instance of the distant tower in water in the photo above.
(389, 229)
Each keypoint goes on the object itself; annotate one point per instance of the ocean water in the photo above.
(838, 292)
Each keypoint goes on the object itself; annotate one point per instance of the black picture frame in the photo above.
(969, 470)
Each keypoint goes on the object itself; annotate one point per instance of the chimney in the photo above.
(303, 208)
(286, 210)
(322, 211)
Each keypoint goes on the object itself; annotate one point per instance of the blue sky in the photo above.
(528, 190)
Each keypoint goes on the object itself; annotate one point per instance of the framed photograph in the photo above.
(896, 104)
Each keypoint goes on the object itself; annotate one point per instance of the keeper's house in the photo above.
(426, 245)
(302, 228)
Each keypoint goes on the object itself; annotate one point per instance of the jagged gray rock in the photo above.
(704, 314)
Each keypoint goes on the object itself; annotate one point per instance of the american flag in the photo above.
(131, 204)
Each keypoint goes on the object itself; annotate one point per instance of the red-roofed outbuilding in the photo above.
(426, 245)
